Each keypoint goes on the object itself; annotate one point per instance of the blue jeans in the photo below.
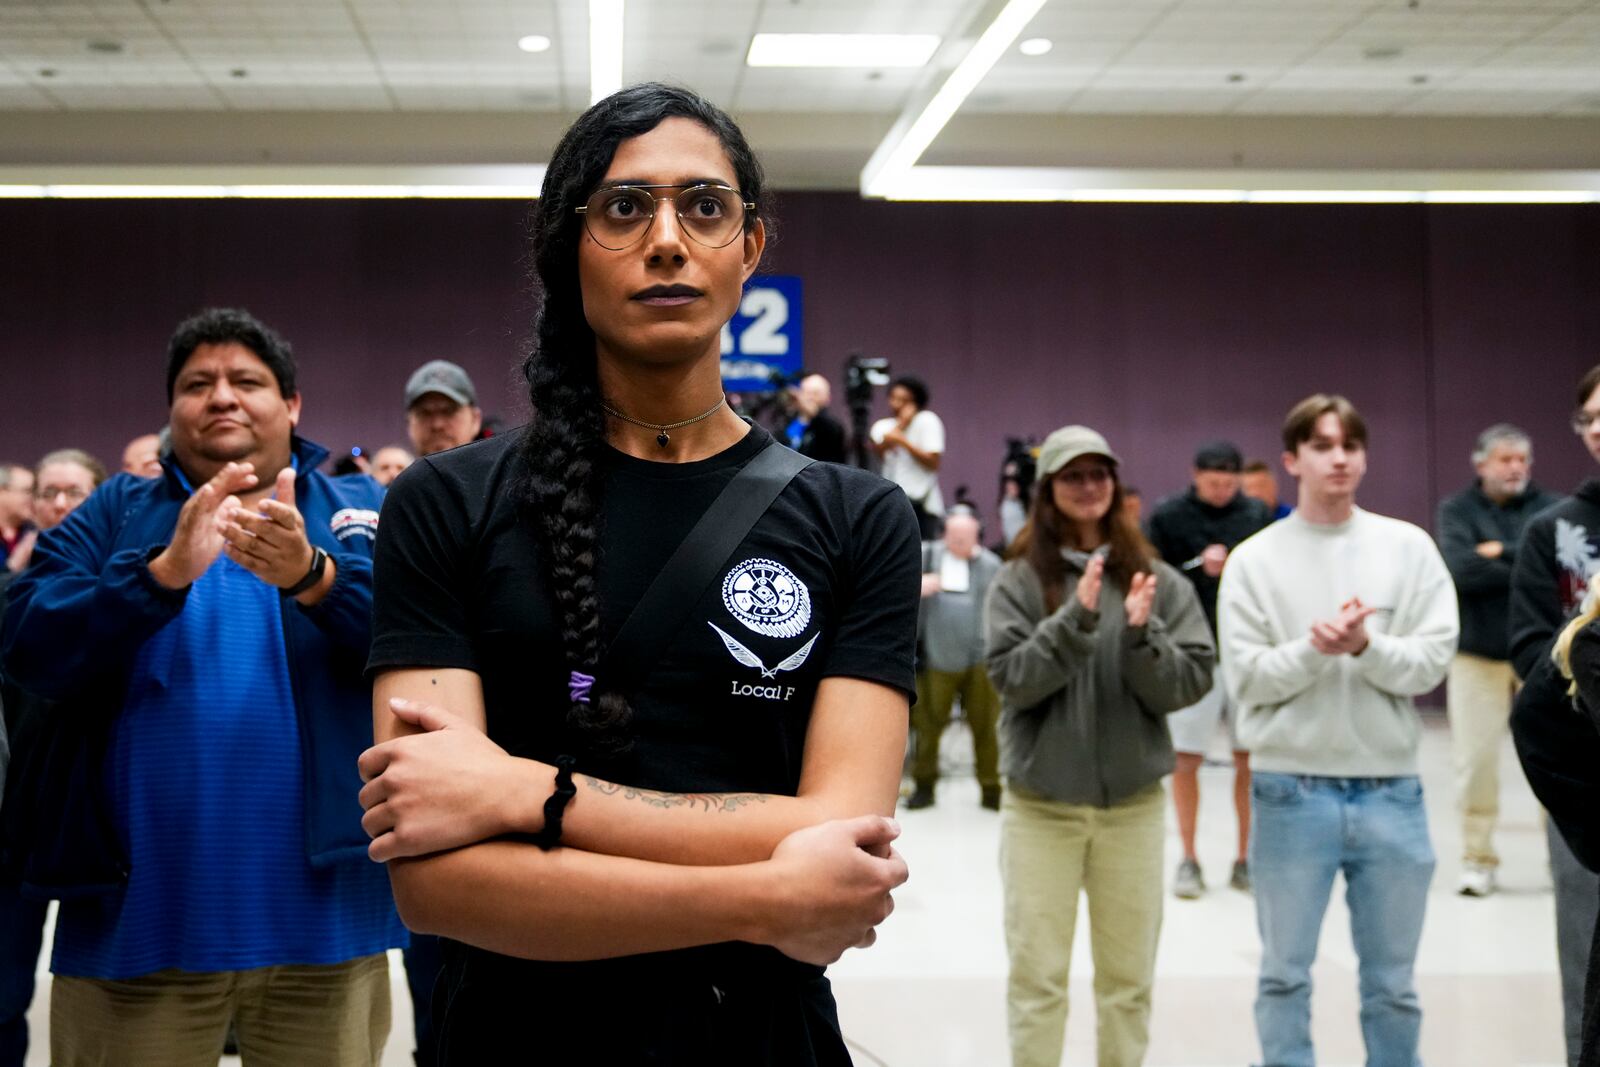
(1304, 830)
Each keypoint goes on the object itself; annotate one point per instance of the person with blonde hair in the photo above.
(1576, 657)
(1557, 554)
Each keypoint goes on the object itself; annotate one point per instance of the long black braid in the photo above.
(561, 446)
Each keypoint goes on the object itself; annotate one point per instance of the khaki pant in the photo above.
(1049, 851)
(936, 694)
(335, 1015)
(1479, 706)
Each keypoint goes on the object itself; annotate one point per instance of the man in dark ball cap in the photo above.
(441, 407)
(1194, 532)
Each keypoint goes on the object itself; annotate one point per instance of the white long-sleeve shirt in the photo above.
(1301, 712)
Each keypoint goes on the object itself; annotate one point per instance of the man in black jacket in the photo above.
(1559, 550)
(1478, 530)
(814, 432)
(1194, 532)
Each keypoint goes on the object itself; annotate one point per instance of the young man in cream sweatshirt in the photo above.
(1329, 623)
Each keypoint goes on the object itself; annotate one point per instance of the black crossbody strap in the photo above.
(662, 611)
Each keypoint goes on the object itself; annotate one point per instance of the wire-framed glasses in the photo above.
(618, 216)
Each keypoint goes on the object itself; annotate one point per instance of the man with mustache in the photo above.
(208, 630)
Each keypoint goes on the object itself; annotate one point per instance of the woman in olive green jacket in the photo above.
(1092, 641)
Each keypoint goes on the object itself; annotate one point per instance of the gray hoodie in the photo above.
(1085, 696)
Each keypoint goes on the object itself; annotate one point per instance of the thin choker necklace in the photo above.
(662, 437)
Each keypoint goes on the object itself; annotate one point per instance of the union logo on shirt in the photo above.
(347, 522)
(767, 598)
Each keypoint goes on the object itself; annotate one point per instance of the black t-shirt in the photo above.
(825, 584)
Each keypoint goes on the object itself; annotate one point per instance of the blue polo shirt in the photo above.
(206, 778)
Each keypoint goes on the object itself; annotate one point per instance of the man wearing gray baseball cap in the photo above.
(441, 407)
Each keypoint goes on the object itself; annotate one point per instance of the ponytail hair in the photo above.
(1562, 650)
(562, 445)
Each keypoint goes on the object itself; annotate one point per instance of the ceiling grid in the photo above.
(299, 77)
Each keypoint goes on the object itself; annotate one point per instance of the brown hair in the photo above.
(1301, 422)
(1047, 532)
(1257, 466)
(76, 456)
(1588, 384)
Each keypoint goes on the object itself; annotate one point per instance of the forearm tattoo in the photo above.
(700, 801)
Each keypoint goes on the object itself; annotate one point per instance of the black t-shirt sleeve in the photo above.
(877, 635)
(419, 618)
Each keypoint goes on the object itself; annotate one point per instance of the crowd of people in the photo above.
(605, 718)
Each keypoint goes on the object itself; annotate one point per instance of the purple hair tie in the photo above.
(578, 686)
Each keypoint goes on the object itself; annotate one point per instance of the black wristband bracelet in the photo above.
(314, 573)
(554, 808)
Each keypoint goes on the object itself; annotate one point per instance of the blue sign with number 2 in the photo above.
(763, 338)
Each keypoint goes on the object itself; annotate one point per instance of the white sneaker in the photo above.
(1476, 881)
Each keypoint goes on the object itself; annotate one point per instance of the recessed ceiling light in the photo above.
(1236, 77)
(534, 42)
(47, 72)
(841, 49)
(1382, 51)
(109, 48)
(1036, 46)
(239, 72)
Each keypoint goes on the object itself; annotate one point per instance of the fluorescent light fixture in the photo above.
(270, 192)
(508, 182)
(1335, 196)
(841, 49)
(475, 192)
(323, 192)
(140, 192)
(605, 48)
(1158, 196)
(1188, 185)
(1036, 46)
(1511, 196)
(534, 42)
(905, 144)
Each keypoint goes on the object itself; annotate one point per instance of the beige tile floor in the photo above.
(931, 993)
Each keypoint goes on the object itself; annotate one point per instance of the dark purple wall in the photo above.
(1160, 325)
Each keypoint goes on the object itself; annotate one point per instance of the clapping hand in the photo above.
(1089, 585)
(1141, 598)
(196, 542)
(1346, 633)
(270, 543)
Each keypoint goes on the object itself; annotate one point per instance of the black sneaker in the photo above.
(921, 797)
(991, 797)
(1240, 879)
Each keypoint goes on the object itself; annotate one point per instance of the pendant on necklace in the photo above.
(662, 439)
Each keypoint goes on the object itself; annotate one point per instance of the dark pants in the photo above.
(21, 931)
(1577, 899)
(930, 527)
(936, 694)
(424, 960)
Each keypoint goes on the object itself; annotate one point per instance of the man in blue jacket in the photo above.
(207, 631)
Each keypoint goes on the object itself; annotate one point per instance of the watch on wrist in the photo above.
(319, 567)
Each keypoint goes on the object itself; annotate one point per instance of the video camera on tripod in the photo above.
(861, 376)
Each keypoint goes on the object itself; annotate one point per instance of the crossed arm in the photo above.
(640, 870)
